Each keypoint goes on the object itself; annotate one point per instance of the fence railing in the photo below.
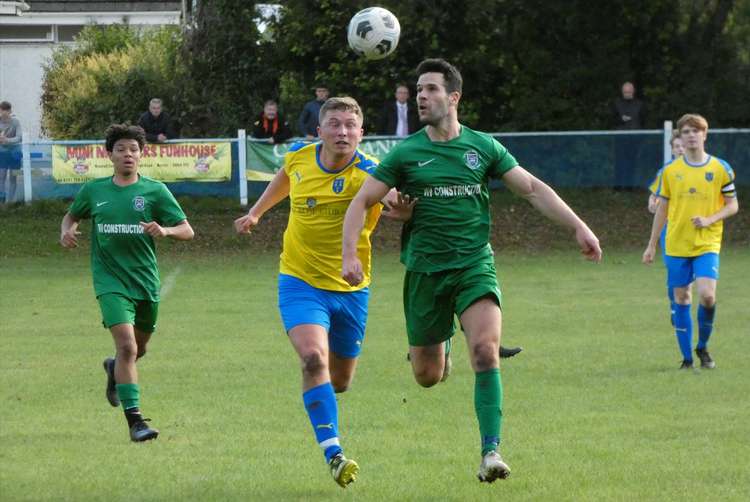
(238, 167)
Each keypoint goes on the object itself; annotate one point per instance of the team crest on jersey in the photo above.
(338, 185)
(710, 176)
(311, 202)
(471, 159)
(139, 203)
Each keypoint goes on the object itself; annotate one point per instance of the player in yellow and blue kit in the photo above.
(697, 193)
(323, 315)
(678, 149)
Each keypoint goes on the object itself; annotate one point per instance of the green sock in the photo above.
(129, 394)
(488, 403)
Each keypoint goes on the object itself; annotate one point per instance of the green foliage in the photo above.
(108, 77)
(230, 69)
(527, 64)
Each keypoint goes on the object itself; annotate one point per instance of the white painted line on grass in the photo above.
(169, 282)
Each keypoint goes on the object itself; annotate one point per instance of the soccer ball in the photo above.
(373, 33)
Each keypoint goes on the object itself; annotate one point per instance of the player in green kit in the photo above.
(450, 266)
(127, 211)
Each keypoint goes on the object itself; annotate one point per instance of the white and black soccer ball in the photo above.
(373, 33)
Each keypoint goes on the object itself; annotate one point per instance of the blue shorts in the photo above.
(10, 157)
(682, 271)
(342, 314)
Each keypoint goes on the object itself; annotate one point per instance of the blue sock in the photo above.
(683, 325)
(670, 295)
(320, 403)
(705, 324)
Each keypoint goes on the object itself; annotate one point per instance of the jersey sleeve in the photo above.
(502, 161)
(662, 189)
(727, 183)
(289, 155)
(654, 186)
(168, 212)
(81, 207)
(388, 170)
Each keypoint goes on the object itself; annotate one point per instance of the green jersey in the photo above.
(123, 256)
(450, 227)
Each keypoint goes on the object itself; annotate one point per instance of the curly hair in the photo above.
(116, 132)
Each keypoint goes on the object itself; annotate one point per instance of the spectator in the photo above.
(10, 151)
(157, 123)
(271, 125)
(399, 118)
(628, 113)
(308, 119)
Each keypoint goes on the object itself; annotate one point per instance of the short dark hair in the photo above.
(116, 132)
(4, 105)
(451, 75)
(270, 102)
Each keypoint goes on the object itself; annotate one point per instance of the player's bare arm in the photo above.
(69, 231)
(547, 202)
(275, 192)
(371, 193)
(660, 219)
(653, 201)
(731, 206)
(180, 232)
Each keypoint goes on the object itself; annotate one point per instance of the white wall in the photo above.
(21, 81)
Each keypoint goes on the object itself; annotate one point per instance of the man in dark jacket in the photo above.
(157, 123)
(308, 119)
(271, 125)
(628, 113)
(399, 117)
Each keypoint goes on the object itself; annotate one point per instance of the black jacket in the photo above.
(263, 128)
(389, 118)
(157, 125)
(632, 108)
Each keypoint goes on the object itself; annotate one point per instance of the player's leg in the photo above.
(119, 315)
(346, 334)
(679, 278)
(706, 277)
(478, 307)
(428, 308)
(306, 315)
(482, 323)
(428, 363)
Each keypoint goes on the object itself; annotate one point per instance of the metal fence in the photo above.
(562, 159)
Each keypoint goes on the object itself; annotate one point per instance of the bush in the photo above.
(109, 76)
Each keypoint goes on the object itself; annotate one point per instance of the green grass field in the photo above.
(595, 406)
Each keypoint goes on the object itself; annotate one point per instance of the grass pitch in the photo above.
(595, 408)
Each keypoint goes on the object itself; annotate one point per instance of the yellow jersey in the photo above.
(318, 201)
(694, 190)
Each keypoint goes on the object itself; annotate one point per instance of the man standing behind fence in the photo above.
(10, 151)
(128, 211)
(628, 114)
(157, 123)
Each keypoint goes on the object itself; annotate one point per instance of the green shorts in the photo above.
(432, 299)
(119, 309)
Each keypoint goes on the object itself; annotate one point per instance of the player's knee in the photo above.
(427, 377)
(127, 351)
(313, 363)
(708, 299)
(486, 356)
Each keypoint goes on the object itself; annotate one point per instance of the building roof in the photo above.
(74, 6)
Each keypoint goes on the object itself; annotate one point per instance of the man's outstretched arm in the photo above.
(547, 202)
